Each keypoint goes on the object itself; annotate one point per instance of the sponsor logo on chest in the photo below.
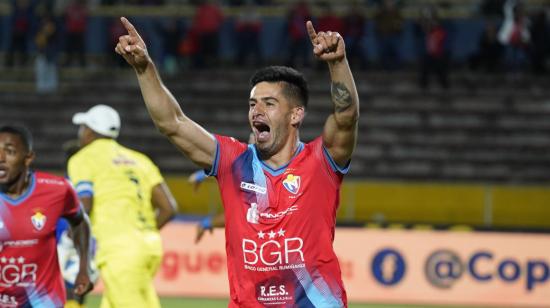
(253, 187)
(51, 182)
(253, 214)
(18, 243)
(273, 250)
(17, 271)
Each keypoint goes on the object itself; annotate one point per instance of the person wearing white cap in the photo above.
(128, 201)
(101, 119)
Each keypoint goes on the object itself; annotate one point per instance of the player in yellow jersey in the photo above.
(128, 202)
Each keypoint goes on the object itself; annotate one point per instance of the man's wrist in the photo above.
(337, 62)
(141, 70)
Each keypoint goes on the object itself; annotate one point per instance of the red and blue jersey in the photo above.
(29, 268)
(280, 226)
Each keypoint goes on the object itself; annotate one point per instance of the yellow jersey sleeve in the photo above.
(153, 174)
(81, 174)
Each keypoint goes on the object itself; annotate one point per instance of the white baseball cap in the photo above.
(102, 119)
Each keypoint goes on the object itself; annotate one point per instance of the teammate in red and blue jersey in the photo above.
(31, 203)
(280, 195)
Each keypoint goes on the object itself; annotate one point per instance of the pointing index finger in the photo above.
(129, 27)
(311, 30)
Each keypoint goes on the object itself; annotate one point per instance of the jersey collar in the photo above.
(281, 170)
(24, 196)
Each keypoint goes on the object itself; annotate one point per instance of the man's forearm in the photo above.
(81, 238)
(163, 217)
(164, 203)
(343, 93)
(160, 103)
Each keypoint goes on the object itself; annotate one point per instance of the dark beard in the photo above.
(266, 153)
(263, 153)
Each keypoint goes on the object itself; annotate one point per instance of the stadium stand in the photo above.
(480, 132)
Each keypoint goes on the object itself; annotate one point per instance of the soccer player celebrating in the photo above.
(128, 201)
(31, 203)
(280, 195)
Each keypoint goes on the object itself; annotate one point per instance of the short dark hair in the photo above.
(295, 85)
(22, 132)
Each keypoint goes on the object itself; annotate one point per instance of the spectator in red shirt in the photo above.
(328, 21)
(76, 24)
(206, 26)
(247, 29)
(299, 45)
(434, 51)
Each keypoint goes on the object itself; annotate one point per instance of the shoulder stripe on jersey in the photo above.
(334, 165)
(78, 215)
(84, 186)
(85, 194)
(213, 171)
(24, 196)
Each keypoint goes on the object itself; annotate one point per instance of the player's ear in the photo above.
(297, 116)
(29, 157)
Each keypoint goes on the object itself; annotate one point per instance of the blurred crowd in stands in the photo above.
(514, 37)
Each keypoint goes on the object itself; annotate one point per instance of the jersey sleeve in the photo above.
(321, 153)
(227, 149)
(153, 174)
(71, 204)
(81, 175)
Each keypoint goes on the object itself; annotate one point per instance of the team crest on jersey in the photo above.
(38, 220)
(292, 183)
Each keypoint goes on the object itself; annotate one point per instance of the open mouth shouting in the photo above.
(3, 172)
(261, 130)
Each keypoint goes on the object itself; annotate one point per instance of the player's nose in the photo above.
(258, 109)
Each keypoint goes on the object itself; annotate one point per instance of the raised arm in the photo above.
(193, 140)
(340, 131)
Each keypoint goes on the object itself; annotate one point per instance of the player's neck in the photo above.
(18, 186)
(283, 156)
